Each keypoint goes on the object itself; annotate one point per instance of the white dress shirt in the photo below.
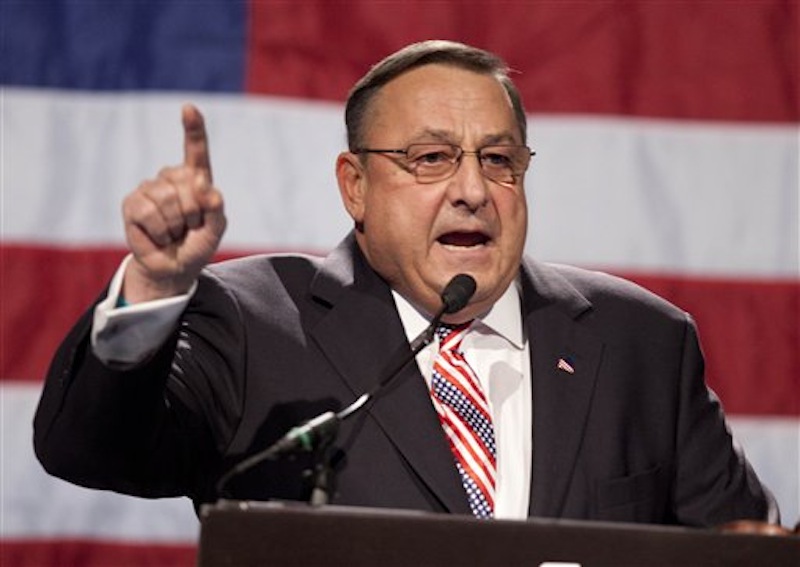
(497, 350)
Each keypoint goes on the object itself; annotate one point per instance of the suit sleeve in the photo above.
(153, 430)
(714, 483)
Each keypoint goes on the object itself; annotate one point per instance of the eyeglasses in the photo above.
(430, 163)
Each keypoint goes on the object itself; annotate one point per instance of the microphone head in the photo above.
(458, 292)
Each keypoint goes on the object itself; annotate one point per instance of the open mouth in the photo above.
(463, 239)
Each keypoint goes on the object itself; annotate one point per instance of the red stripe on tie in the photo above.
(467, 384)
(465, 453)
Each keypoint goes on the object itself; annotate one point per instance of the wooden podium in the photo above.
(274, 534)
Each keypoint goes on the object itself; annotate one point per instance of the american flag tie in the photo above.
(464, 414)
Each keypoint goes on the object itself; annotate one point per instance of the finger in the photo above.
(143, 218)
(191, 202)
(166, 195)
(195, 141)
(198, 204)
(214, 212)
(189, 185)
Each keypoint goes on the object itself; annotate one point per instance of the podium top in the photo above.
(288, 534)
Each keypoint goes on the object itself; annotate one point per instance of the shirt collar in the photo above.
(504, 318)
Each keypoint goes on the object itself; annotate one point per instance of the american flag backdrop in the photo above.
(666, 134)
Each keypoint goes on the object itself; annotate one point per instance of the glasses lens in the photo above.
(504, 163)
(432, 162)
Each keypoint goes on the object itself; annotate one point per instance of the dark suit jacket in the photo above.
(270, 341)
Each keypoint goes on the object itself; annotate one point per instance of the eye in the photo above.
(430, 155)
(496, 157)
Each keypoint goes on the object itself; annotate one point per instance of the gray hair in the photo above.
(414, 56)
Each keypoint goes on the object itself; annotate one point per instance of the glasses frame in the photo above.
(460, 153)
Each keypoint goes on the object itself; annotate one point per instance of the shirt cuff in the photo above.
(127, 334)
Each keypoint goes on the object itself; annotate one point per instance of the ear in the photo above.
(352, 185)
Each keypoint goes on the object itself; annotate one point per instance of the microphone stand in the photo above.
(317, 435)
(321, 442)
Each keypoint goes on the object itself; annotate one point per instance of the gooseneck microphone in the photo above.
(315, 432)
(456, 295)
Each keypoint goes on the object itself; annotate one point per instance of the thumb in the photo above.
(213, 212)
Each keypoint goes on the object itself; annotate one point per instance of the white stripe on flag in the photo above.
(657, 195)
(627, 194)
(772, 446)
(35, 504)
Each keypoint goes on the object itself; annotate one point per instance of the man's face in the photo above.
(418, 236)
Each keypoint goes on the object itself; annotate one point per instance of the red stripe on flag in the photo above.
(705, 60)
(44, 291)
(750, 333)
(91, 553)
(750, 329)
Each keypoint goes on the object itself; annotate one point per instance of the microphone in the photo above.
(457, 293)
(321, 429)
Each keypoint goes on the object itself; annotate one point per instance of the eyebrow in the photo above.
(447, 137)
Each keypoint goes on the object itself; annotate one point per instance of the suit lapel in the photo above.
(565, 359)
(363, 338)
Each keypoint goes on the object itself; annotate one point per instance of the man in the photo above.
(590, 389)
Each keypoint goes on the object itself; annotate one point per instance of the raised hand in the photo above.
(173, 223)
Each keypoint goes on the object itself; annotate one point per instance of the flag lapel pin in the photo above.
(564, 364)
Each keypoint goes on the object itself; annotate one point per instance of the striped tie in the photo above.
(464, 414)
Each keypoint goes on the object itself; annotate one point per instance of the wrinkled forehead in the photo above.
(445, 99)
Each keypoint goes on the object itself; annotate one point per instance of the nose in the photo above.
(469, 187)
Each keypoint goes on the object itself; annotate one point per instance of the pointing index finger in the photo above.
(195, 140)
